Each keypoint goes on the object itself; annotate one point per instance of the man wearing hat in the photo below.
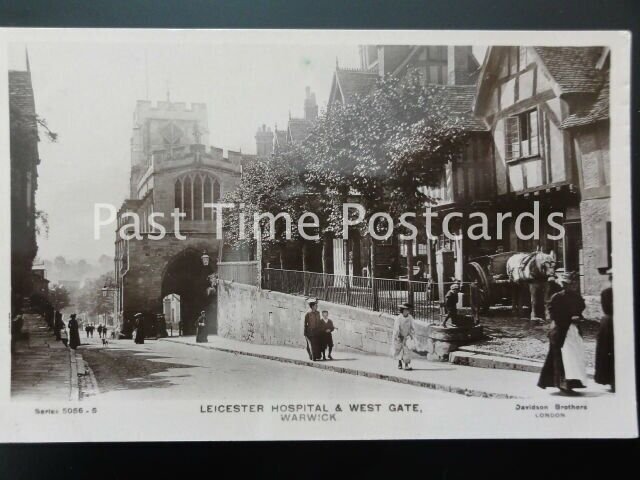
(139, 323)
(403, 330)
(312, 322)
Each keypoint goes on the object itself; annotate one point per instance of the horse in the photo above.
(534, 271)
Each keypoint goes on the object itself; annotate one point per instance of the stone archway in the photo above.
(187, 277)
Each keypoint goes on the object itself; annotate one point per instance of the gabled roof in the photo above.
(347, 83)
(298, 129)
(457, 101)
(590, 112)
(574, 68)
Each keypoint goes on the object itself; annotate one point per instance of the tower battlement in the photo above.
(165, 106)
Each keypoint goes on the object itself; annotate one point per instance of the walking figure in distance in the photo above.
(201, 328)
(74, 334)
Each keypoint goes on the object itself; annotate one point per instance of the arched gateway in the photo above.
(186, 276)
(172, 169)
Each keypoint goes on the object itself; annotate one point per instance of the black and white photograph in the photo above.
(317, 235)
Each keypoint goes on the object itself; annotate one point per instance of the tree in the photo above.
(90, 300)
(59, 297)
(268, 186)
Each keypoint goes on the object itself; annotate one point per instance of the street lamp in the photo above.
(106, 290)
(205, 259)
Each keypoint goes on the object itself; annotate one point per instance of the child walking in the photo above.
(327, 337)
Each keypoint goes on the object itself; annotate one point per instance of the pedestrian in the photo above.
(402, 337)
(104, 331)
(605, 373)
(201, 328)
(328, 328)
(58, 325)
(87, 328)
(100, 331)
(564, 367)
(64, 336)
(74, 335)
(180, 328)
(311, 331)
(138, 336)
(451, 305)
(16, 330)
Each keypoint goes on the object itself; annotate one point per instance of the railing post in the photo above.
(259, 260)
(374, 294)
(347, 285)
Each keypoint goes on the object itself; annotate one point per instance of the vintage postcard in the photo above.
(239, 235)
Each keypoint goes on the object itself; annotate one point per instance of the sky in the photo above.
(87, 94)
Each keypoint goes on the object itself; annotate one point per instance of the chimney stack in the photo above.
(264, 141)
(310, 105)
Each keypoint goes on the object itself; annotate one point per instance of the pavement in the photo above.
(441, 376)
(41, 366)
(223, 368)
(160, 370)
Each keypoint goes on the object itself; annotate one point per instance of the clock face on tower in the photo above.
(171, 134)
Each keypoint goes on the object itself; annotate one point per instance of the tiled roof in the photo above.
(21, 94)
(355, 82)
(590, 112)
(457, 100)
(299, 129)
(574, 68)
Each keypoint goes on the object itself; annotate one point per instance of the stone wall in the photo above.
(595, 214)
(249, 314)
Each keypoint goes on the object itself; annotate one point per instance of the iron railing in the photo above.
(239, 272)
(376, 294)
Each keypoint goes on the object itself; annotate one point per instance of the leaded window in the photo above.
(192, 191)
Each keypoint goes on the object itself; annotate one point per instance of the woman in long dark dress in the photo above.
(564, 366)
(201, 328)
(139, 337)
(74, 334)
(605, 360)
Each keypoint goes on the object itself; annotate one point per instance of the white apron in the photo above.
(573, 356)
